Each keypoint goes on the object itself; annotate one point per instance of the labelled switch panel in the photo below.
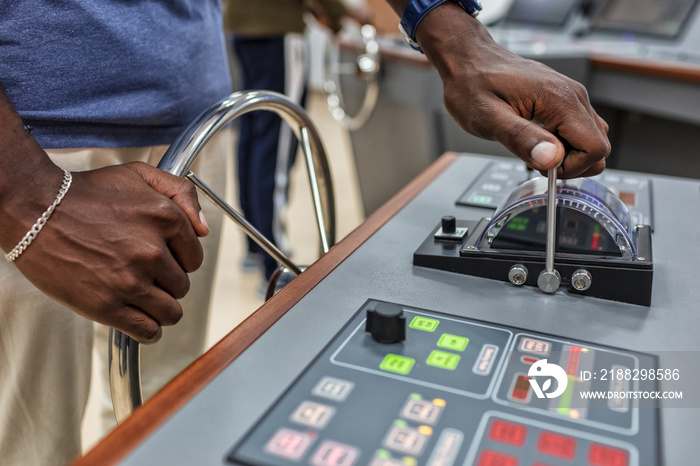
(454, 392)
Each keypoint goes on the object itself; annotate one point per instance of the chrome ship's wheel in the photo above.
(124, 366)
(366, 68)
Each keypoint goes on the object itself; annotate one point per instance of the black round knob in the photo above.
(386, 322)
(449, 224)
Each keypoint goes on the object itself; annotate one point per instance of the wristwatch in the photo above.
(416, 10)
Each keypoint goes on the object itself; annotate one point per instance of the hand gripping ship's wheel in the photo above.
(365, 68)
(124, 368)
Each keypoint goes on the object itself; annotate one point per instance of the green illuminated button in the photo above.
(423, 323)
(453, 342)
(481, 199)
(398, 364)
(443, 360)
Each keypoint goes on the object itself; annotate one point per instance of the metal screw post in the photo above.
(518, 274)
(581, 280)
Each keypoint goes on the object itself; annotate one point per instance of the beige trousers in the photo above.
(46, 349)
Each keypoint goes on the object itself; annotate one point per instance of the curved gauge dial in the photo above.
(591, 220)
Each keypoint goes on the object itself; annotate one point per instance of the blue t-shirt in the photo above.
(111, 73)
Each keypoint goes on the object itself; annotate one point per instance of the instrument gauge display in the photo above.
(590, 220)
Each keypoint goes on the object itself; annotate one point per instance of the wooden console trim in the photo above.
(655, 68)
(147, 418)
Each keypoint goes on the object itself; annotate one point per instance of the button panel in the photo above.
(494, 184)
(556, 445)
(492, 458)
(443, 360)
(486, 360)
(289, 444)
(333, 388)
(453, 342)
(334, 454)
(397, 364)
(455, 392)
(502, 437)
(601, 455)
(423, 411)
(517, 386)
(424, 323)
(313, 414)
(405, 440)
(508, 432)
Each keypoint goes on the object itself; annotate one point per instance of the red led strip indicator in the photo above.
(596, 237)
(529, 360)
(572, 366)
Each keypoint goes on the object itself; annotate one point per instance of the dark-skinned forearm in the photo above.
(29, 180)
(446, 26)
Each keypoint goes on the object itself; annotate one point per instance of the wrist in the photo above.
(26, 188)
(26, 202)
(28, 179)
(451, 38)
(415, 12)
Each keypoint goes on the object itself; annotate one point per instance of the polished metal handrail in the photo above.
(124, 366)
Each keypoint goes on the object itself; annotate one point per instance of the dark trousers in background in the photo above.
(267, 146)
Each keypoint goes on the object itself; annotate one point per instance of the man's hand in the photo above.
(538, 114)
(118, 248)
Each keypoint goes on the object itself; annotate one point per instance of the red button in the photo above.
(556, 445)
(600, 455)
(521, 388)
(506, 432)
(491, 458)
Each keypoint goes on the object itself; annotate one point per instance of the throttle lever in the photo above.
(549, 279)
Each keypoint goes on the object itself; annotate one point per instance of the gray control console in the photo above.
(457, 391)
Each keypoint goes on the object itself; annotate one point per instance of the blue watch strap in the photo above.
(416, 10)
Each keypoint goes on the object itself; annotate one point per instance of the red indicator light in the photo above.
(556, 445)
(521, 388)
(529, 360)
(572, 365)
(491, 458)
(506, 432)
(600, 455)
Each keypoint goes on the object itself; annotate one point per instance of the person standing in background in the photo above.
(267, 37)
